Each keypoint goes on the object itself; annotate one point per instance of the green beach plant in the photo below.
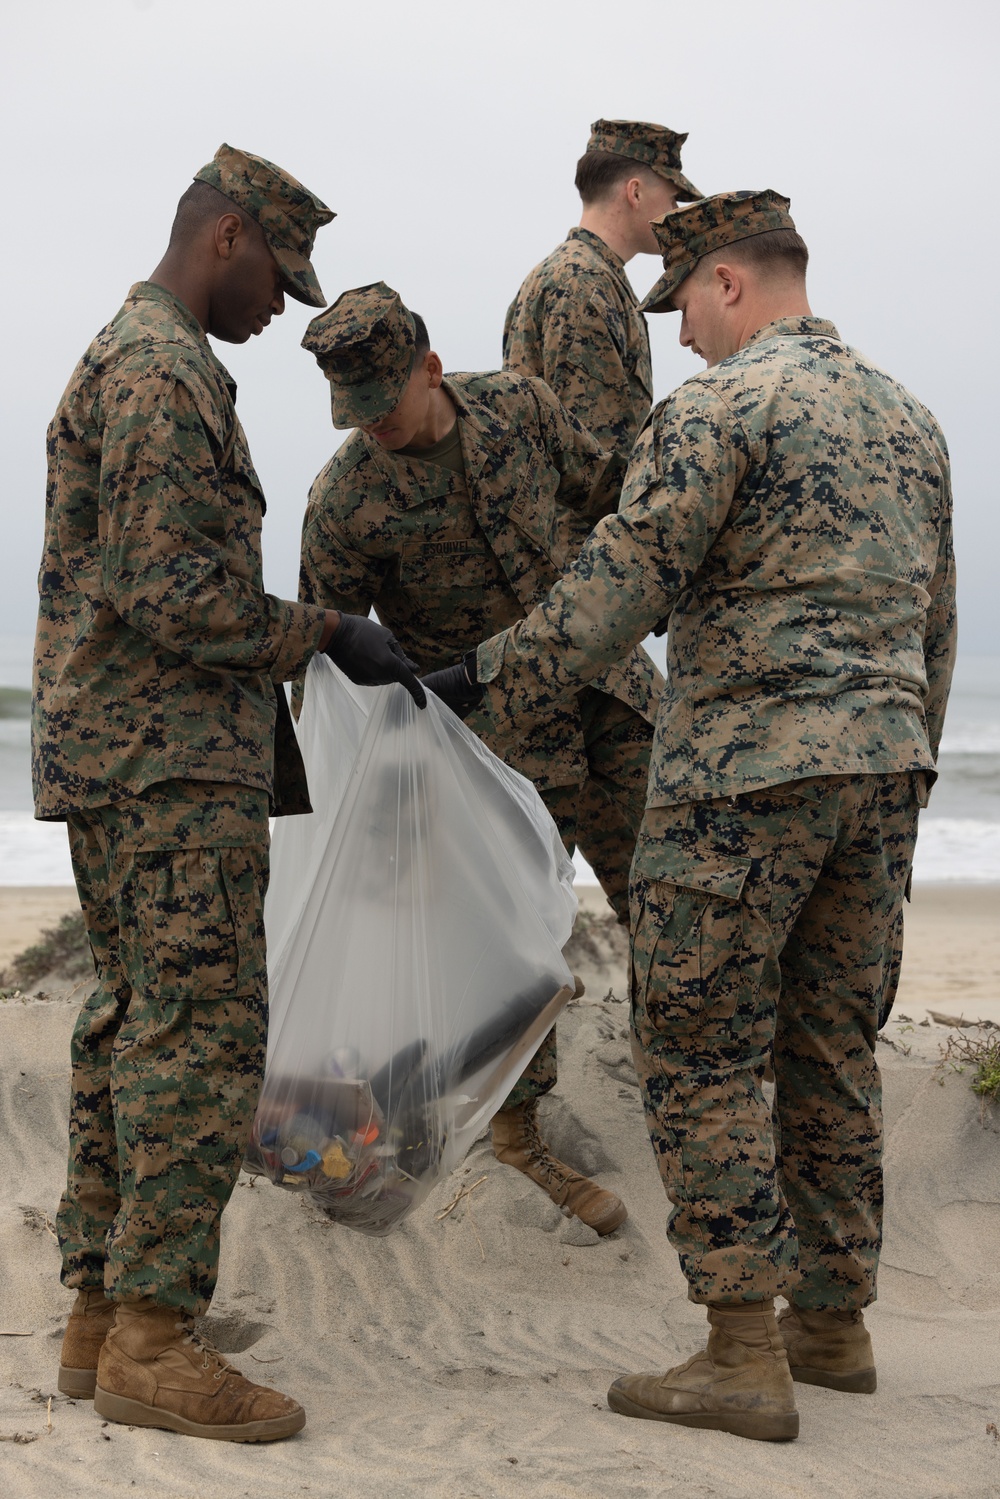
(976, 1049)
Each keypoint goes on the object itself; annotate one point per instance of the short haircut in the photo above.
(598, 173)
(422, 344)
(200, 204)
(778, 249)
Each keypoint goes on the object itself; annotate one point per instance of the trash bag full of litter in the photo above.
(415, 923)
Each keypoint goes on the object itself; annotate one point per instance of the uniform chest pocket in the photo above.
(242, 512)
(240, 475)
(533, 508)
(445, 565)
(229, 514)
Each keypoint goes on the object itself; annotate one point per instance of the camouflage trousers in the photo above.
(168, 1052)
(768, 927)
(601, 817)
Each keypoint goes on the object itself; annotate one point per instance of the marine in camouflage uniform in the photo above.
(159, 737)
(453, 539)
(576, 323)
(791, 506)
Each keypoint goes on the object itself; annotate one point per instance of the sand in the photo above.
(470, 1357)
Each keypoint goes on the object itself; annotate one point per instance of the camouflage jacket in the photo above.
(156, 648)
(575, 323)
(792, 507)
(446, 560)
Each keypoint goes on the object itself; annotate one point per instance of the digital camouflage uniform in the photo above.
(172, 887)
(576, 323)
(791, 507)
(447, 554)
(155, 736)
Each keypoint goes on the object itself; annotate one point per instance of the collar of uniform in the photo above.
(795, 327)
(611, 260)
(480, 430)
(393, 472)
(151, 291)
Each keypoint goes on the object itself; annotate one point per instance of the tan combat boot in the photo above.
(832, 1349)
(155, 1370)
(740, 1383)
(88, 1325)
(516, 1142)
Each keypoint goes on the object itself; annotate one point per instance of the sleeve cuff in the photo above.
(304, 625)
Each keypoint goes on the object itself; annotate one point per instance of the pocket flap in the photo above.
(680, 861)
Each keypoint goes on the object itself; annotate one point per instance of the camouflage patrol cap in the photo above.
(288, 213)
(364, 344)
(654, 145)
(701, 228)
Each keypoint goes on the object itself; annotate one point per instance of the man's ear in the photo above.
(435, 370)
(633, 192)
(227, 231)
(728, 282)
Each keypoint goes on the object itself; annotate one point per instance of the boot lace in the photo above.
(539, 1154)
(209, 1352)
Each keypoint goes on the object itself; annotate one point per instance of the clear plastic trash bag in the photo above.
(414, 926)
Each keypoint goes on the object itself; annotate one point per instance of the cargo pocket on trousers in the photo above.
(692, 965)
(198, 922)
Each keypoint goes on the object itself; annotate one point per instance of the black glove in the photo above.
(371, 655)
(456, 685)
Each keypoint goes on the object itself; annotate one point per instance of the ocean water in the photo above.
(959, 838)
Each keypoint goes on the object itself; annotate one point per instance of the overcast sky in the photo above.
(445, 136)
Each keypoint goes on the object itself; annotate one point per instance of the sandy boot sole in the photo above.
(78, 1384)
(860, 1382)
(756, 1425)
(134, 1413)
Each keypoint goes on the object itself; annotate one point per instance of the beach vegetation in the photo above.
(976, 1050)
(598, 939)
(62, 949)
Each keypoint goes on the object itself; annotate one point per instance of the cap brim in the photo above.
(660, 297)
(357, 405)
(368, 401)
(299, 276)
(686, 190)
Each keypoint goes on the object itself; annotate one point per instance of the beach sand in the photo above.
(470, 1357)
